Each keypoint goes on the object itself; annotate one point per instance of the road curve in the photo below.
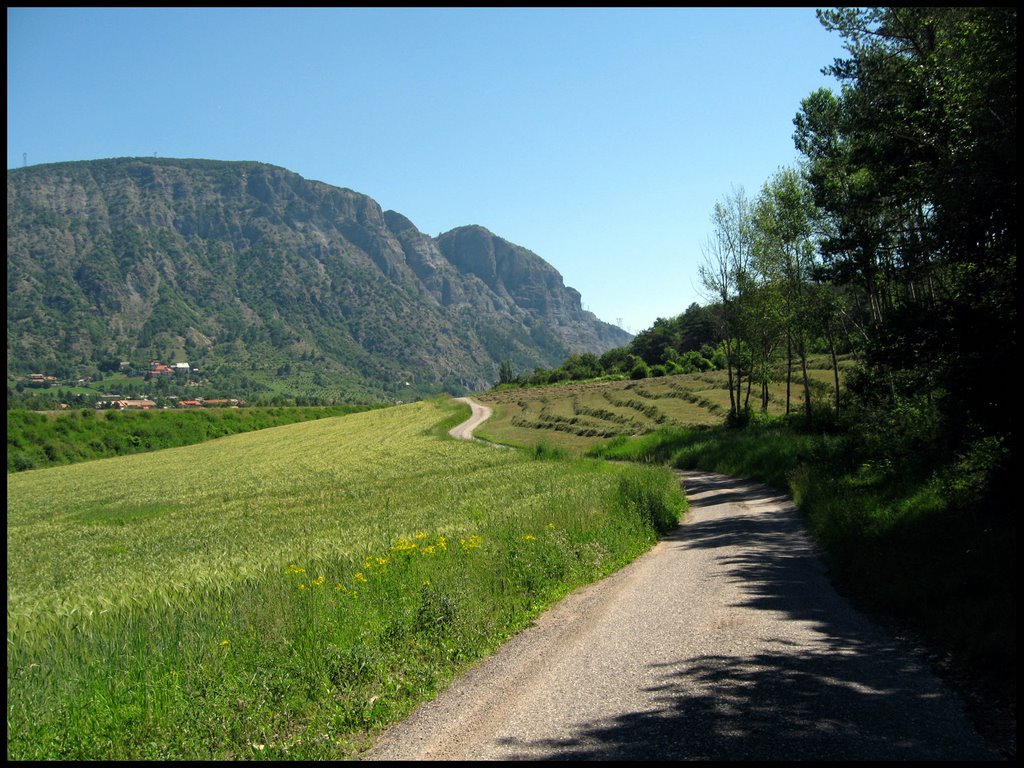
(481, 413)
(724, 642)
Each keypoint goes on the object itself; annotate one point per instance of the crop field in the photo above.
(574, 416)
(283, 593)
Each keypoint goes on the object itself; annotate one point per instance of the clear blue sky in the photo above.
(600, 139)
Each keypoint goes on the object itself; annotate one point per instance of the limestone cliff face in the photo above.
(531, 284)
(251, 265)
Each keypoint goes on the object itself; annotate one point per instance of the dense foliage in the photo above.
(687, 343)
(912, 167)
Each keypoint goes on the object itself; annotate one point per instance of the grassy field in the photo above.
(39, 439)
(579, 415)
(284, 593)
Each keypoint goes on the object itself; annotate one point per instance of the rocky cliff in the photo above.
(256, 272)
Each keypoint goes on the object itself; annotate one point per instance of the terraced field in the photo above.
(576, 415)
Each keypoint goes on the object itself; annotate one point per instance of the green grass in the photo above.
(36, 440)
(577, 416)
(286, 593)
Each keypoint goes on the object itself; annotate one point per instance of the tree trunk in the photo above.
(739, 385)
(728, 368)
(807, 386)
(835, 365)
(789, 368)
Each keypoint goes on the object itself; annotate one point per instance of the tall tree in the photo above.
(725, 274)
(914, 164)
(784, 251)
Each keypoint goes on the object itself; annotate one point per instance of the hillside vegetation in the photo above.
(283, 593)
(268, 283)
(578, 415)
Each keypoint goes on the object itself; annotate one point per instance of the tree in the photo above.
(505, 373)
(784, 255)
(725, 275)
(913, 165)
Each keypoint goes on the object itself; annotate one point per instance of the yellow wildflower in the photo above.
(359, 577)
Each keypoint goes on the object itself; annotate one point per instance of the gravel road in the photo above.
(481, 413)
(725, 642)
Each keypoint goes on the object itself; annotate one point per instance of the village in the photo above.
(156, 372)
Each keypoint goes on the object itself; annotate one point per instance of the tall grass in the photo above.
(284, 593)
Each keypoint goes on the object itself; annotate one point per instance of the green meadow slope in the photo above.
(283, 593)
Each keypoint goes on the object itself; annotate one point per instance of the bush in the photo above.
(640, 371)
(653, 495)
(545, 451)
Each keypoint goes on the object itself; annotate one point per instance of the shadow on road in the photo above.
(776, 706)
(861, 695)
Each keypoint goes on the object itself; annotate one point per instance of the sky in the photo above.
(598, 138)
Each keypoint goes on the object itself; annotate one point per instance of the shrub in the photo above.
(640, 371)
(653, 495)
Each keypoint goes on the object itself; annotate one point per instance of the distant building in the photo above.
(145, 405)
(41, 380)
(159, 369)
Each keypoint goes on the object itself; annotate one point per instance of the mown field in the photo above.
(284, 593)
(576, 416)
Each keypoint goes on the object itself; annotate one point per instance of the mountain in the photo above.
(270, 281)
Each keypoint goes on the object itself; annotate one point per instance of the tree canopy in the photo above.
(913, 168)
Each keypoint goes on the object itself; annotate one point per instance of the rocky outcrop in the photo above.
(250, 265)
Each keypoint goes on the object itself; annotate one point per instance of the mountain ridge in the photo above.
(270, 280)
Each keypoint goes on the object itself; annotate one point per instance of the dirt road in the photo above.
(481, 413)
(724, 642)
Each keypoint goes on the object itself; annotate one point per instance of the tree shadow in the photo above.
(778, 706)
(855, 693)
